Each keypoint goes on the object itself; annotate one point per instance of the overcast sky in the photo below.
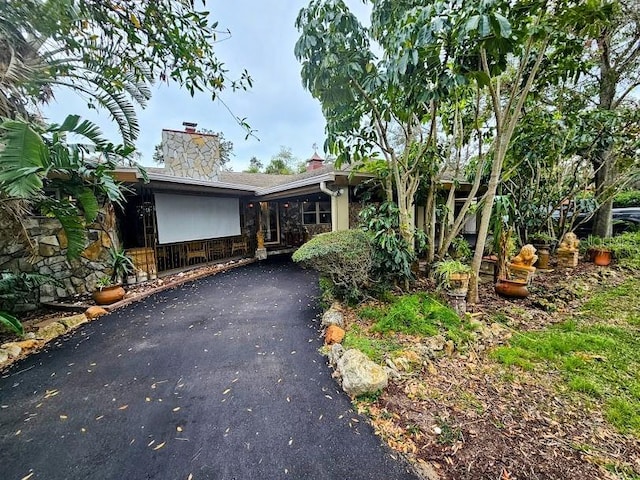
(282, 112)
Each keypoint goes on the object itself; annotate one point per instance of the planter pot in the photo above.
(459, 283)
(602, 258)
(108, 295)
(543, 255)
(512, 288)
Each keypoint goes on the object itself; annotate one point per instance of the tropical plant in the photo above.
(120, 264)
(391, 253)
(14, 288)
(35, 160)
(104, 282)
(109, 53)
(445, 269)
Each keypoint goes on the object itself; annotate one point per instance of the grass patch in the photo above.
(598, 358)
(417, 314)
(374, 348)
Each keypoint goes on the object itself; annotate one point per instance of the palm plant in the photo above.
(34, 158)
(15, 287)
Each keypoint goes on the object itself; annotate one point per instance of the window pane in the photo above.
(309, 207)
(325, 217)
(309, 218)
(324, 206)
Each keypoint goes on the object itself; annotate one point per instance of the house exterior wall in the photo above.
(191, 155)
(46, 254)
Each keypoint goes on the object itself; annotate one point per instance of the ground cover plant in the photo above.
(545, 387)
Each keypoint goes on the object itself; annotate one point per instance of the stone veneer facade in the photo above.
(191, 155)
(47, 255)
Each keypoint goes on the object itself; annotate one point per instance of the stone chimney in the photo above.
(315, 162)
(190, 127)
(191, 154)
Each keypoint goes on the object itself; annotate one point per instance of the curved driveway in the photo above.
(217, 379)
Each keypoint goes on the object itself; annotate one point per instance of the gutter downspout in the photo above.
(339, 207)
(331, 193)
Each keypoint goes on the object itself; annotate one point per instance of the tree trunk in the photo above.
(604, 160)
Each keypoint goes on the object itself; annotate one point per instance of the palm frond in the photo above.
(23, 159)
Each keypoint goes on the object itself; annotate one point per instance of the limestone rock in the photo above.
(335, 353)
(95, 312)
(359, 374)
(74, 321)
(333, 317)
(49, 240)
(4, 355)
(26, 344)
(12, 349)
(334, 334)
(51, 331)
(407, 361)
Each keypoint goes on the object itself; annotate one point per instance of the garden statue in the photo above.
(526, 258)
(568, 251)
(569, 243)
(521, 266)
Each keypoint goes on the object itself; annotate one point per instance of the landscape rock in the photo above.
(407, 361)
(435, 343)
(12, 349)
(334, 354)
(4, 355)
(359, 374)
(333, 317)
(74, 321)
(51, 331)
(95, 312)
(334, 334)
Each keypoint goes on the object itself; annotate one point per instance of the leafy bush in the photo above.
(627, 199)
(626, 249)
(344, 257)
(15, 287)
(391, 253)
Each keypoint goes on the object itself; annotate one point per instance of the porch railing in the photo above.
(185, 254)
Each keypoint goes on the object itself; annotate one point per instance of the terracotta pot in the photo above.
(512, 288)
(108, 295)
(602, 257)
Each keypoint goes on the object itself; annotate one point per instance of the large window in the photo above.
(314, 213)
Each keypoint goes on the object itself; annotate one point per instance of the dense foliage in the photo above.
(345, 258)
(15, 288)
(108, 52)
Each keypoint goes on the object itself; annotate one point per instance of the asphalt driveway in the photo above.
(218, 379)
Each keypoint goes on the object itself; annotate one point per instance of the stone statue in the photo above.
(526, 258)
(569, 243)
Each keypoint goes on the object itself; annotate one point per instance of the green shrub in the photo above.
(391, 253)
(626, 249)
(627, 199)
(345, 258)
(14, 288)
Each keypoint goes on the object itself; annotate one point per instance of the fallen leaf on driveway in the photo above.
(159, 446)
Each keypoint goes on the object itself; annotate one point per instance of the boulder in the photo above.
(74, 321)
(95, 312)
(334, 334)
(335, 352)
(333, 317)
(359, 374)
(12, 349)
(4, 355)
(51, 331)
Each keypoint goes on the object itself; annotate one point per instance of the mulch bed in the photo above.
(469, 418)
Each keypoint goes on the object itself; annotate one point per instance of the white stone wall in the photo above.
(191, 155)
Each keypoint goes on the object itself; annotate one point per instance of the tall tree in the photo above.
(613, 49)
(255, 165)
(109, 52)
(283, 163)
